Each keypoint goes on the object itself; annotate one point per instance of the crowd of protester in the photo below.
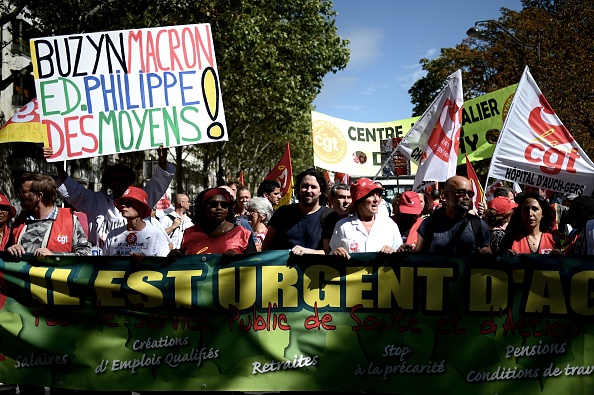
(336, 219)
(324, 219)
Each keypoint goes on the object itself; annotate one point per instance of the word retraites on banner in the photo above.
(467, 323)
(129, 90)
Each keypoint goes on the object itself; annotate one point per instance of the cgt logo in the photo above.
(62, 239)
(553, 146)
(328, 142)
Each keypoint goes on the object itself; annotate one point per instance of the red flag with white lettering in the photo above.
(433, 141)
(342, 178)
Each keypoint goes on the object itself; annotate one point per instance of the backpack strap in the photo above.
(477, 228)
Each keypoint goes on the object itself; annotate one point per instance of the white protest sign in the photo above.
(128, 90)
(535, 148)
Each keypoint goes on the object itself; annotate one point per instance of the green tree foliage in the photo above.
(564, 30)
(271, 57)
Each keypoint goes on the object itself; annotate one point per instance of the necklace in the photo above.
(533, 243)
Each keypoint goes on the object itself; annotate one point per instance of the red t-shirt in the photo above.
(547, 243)
(197, 242)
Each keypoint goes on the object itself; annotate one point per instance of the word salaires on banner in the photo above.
(472, 324)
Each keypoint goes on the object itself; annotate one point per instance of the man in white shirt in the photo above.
(176, 222)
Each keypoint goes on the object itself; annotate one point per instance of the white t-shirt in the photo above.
(350, 233)
(178, 233)
(151, 241)
(101, 212)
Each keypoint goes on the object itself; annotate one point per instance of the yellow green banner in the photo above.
(407, 323)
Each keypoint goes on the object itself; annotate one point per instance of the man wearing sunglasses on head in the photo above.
(453, 228)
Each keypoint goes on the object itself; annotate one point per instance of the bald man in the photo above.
(453, 228)
(176, 222)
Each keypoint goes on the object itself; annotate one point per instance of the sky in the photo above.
(388, 39)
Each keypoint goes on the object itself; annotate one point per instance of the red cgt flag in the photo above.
(283, 174)
(476, 185)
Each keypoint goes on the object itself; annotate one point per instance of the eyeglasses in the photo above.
(127, 202)
(462, 192)
(22, 192)
(217, 203)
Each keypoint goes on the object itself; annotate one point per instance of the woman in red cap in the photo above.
(365, 231)
(215, 231)
(408, 215)
(7, 211)
(136, 238)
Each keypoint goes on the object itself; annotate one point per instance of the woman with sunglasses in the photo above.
(215, 231)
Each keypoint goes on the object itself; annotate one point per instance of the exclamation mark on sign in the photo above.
(211, 93)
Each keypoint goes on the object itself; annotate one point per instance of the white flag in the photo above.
(432, 143)
(535, 148)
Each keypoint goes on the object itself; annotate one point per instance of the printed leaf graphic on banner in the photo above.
(283, 174)
(433, 141)
(25, 126)
(535, 148)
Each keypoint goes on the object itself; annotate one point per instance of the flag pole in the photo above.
(386, 161)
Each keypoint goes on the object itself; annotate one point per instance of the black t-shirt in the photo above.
(293, 228)
(444, 229)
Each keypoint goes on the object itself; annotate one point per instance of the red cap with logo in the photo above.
(410, 203)
(136, 194)
(501, 204)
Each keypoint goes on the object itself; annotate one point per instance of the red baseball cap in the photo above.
(501, 204)
(410, 203)
(5, 203)
(140, 196)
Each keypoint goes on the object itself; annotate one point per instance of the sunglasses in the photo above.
(127, 202)
(217, 203)
(462, 192)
